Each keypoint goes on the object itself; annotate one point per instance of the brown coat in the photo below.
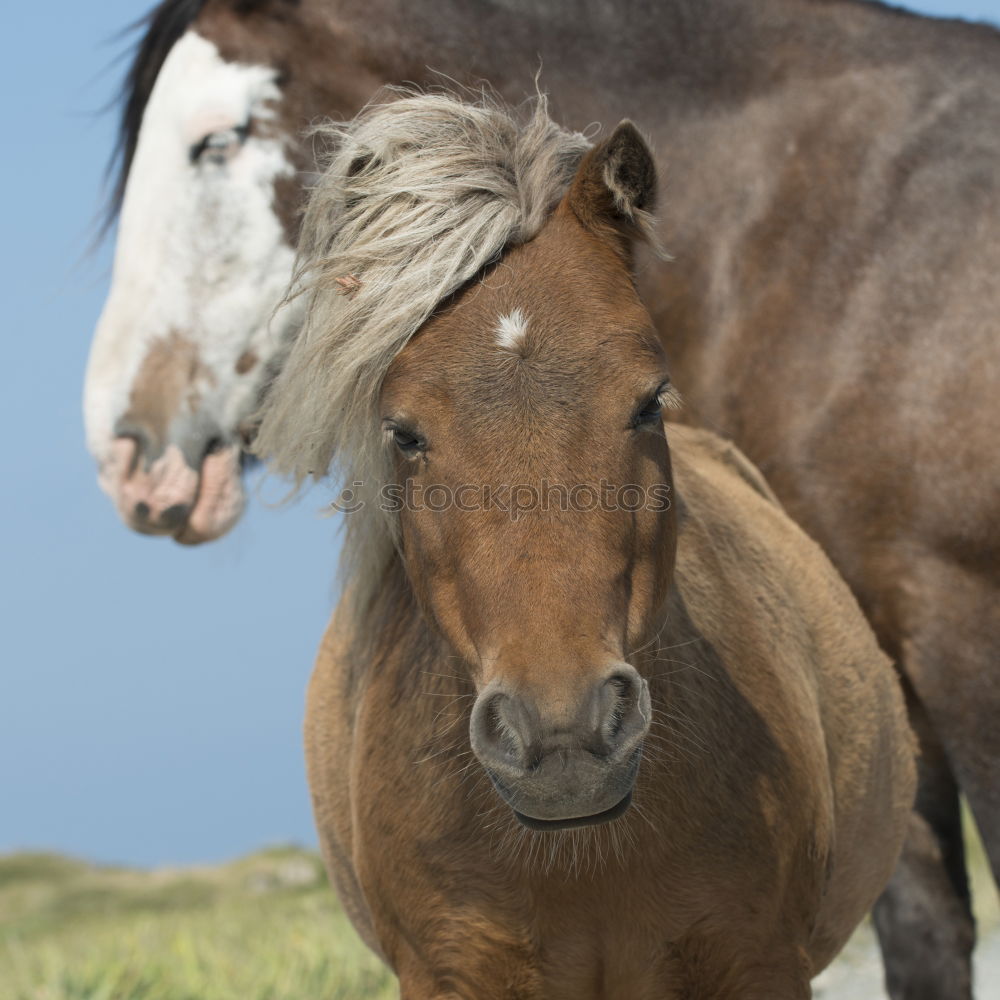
(750, 856)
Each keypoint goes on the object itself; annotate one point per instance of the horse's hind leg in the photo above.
(952, 659)
(963, 701)
(923, 918)
(925, 931)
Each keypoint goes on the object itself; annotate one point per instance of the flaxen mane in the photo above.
(421, 194)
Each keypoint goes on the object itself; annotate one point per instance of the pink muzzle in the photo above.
(171, 498)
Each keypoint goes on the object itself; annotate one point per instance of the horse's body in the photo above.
(831, 170)
(838, 320)
(776, 761)
(779, 755)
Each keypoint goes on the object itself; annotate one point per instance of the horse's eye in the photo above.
(406, 441)
(217, 147)
(650, 413)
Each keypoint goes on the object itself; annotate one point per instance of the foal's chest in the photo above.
(458, 918)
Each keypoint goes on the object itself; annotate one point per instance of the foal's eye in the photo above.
(407, 441)
(651, 412)
(217, 147)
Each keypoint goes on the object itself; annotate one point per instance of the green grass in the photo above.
(266, 927)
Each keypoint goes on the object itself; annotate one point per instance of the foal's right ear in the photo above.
(614, 190)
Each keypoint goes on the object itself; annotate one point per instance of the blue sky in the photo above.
(150, 695)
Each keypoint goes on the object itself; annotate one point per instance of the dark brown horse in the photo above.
(653, 658)
(831, 174)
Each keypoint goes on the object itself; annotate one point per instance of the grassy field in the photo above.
(266, 927)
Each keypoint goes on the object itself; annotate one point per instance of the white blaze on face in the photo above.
(201, 257)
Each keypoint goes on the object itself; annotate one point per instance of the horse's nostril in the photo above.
(622, 712)
(622, 684)
(142, 512)
(175, 516)
(146, 441)
(499, 729)
(495, 731)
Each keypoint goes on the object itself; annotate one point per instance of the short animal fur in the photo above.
(506, 673)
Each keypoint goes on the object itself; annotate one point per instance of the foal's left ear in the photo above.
(614, 190)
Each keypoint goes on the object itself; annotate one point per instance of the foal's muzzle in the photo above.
(573, 769)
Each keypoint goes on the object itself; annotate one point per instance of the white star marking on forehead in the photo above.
(511, 330)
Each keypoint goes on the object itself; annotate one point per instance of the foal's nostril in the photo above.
(626, 685)
(558, 755)
(500, 728)
(613, 722)
(496, 731)
(142, 512)
(621, 708)
(516, 736)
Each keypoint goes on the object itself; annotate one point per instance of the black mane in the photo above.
(161, 27)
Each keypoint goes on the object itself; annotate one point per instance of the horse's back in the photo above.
(753, 581)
